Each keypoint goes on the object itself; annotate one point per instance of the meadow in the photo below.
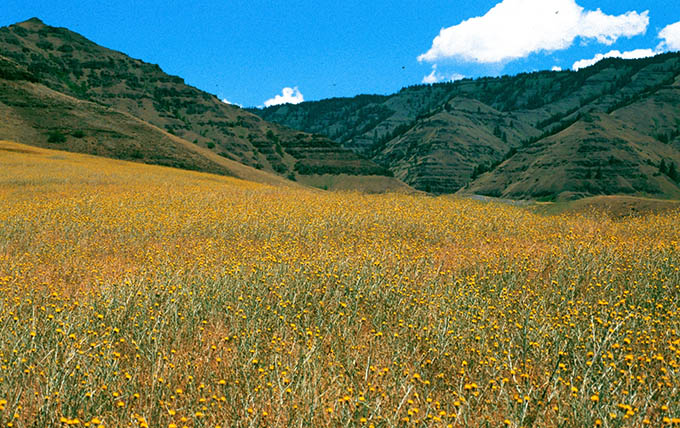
(142, 296)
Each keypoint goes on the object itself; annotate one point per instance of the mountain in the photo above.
(612, 128)
(38, 115)
(595, 156)
(609, 128)
(64, 91)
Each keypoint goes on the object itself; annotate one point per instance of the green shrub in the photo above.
(56, 136)
(44, 44)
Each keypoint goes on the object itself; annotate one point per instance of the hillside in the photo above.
(633, 150)
(596, 156)
(611, 206)
(34, 113)
(34, 57)
(444, 137)
(136, 295)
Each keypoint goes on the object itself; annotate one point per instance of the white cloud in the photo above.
(671, 37)
(226, 101)
(516, 28)
(436, 76)
(635, 54)
(432, 77)
(557, 68)
(288, 96)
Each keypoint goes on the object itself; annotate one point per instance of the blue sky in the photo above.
(248, 51)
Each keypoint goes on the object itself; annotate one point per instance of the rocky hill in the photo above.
(63, 91)
(609, 128)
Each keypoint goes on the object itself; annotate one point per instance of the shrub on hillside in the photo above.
(56, 136)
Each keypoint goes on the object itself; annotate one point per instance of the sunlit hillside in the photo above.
(137, 295)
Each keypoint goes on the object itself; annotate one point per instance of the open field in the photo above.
(614, 206)
(137, 295)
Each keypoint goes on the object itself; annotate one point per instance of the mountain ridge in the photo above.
(443, 137)
(70, 64)
(613, 127)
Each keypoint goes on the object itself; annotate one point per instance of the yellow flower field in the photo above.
(135, 295)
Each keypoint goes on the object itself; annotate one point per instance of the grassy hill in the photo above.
(633, 150)
(34, 56)
(595, 156)
(612, 206)
(443, 137)
(141, 295)
(41, 116)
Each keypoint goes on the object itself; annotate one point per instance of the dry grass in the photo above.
(135, 295)
(615, 206)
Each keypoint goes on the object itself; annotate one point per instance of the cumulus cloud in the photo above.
(635, 54)
(671, 37)
(670, 41)
(288, 96)
(557, 68)
(436, 76)
(432, 77)
(226, 101)
(517, 28)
